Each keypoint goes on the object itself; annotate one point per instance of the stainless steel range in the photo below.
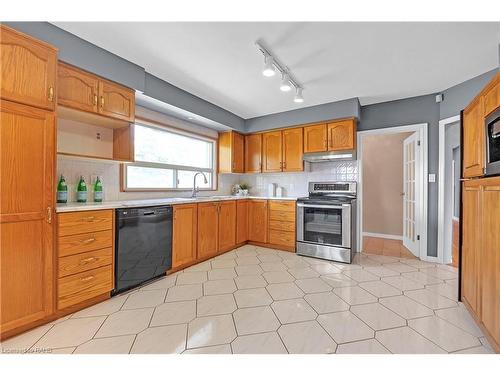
(326, 221)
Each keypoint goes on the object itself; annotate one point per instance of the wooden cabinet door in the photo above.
(257, 220)
(241, 221)
(116, 101)
(28, 69)
(227, 225)
(490, 258)
(293, 145)
(315, 138)
(473, 141)
(238, 153)
(342, 135)
(253, 153)
(185, 234)
(471, 243)
(272, 152)
(77, 89)
(492, 96)
(27, 159)
(208, 229)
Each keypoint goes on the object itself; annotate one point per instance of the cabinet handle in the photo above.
(88, 260)
(88, 278)
(88, 240)
(88, 218)
(102, 101)
(284, 165)
(51, 94)
(95, 99)
(49, 215)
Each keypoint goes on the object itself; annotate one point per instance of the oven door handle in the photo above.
(322, 206)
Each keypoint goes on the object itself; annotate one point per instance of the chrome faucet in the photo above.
(195, 189)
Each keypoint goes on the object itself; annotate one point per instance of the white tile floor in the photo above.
(257, 300)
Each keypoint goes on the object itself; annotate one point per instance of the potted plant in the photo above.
(243, 189)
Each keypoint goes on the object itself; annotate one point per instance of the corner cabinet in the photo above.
(480, 255)
(473, 139)
(28, 69)
(253, 153)
(231, 152)
(185, 235)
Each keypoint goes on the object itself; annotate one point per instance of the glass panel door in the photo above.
(323, 225)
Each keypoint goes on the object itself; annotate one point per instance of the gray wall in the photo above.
(344, 108)
(457, 97)
(85, 55)
(420, 109)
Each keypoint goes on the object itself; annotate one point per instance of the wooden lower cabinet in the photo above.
(27, 159)
(227, 225)
(242, 221)
(480, 272)
(208, 229)
(185, 234)
(257, 220)
(282, 224)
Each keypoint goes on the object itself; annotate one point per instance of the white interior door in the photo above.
(411, 193)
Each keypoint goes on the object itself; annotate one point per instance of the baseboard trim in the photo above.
(382, 235)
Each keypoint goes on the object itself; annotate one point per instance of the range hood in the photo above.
(316, 157)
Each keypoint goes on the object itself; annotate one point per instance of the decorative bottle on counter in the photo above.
(98, 190)
(81, 191)
(62, 191)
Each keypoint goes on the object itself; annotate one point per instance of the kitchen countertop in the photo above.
(89, 206)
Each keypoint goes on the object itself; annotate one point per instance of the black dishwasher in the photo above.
(143, 245)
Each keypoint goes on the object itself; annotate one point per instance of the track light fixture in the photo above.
(271, 65)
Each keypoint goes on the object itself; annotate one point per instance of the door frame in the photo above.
(442, 131)
(422, 130)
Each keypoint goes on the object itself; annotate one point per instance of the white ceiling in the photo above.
(376, 62)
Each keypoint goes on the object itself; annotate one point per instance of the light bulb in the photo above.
(298, 96)
(285, 83)
(268, 67)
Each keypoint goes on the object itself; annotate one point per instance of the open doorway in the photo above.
(449, 190)
(392, 201)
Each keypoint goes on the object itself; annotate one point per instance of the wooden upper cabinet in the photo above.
(77, 89)
(293, 145)
(231, 152)
(28, 69)
(473, 139)
(185, 227)
(227, 225)
(27, 159)
(342, 135)
(257, 220)
(492, 95)
(208, 229)
(241, 221)
(253, 153)
(471, 243)
(272, 152)
(315, 138)
(116, 101)
(490, 257)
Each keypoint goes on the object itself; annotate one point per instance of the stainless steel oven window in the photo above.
(324, 224)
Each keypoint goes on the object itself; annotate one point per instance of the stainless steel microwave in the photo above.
(492, 123)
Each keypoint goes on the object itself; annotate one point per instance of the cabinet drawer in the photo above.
(84, 222)
(286, 226)
(83, 286)
(282, 238)
(282, 216)
(80, 243)
(85, 261)
(282, 206)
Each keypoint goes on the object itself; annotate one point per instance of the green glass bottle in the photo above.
(62, 191)
(98, 190)
(81, 191)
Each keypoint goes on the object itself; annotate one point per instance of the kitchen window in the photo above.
(167, 159)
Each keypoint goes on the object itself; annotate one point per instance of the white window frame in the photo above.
(174, 167)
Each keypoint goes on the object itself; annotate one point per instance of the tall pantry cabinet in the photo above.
(27, 160)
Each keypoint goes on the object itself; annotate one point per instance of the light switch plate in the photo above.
(432, 177)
